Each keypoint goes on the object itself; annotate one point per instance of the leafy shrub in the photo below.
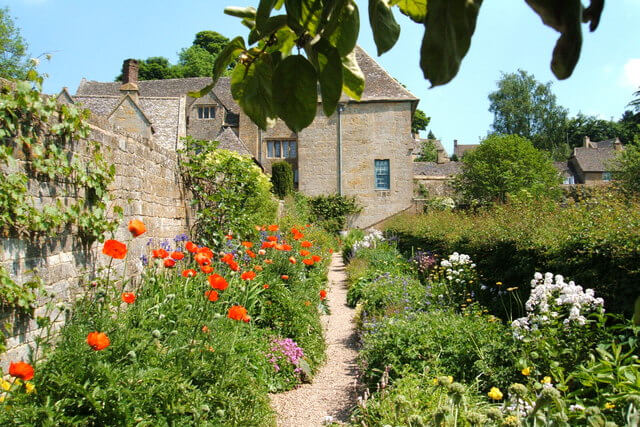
(332, 211)
(282, 179)
(349, 240)
(387, 294)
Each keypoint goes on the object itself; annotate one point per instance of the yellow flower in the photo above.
(495, 393)
(450, 379)
(526, 371)
(30, 387)
(469, 300)
(546, 380)
(499, 283)
(435, 381)
(5, 385)
(512, 289)
(609, 405)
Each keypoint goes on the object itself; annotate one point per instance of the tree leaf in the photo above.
(202, 92)
(564, 17)
(384, 26)
(304, 14)
(352, 77)
(329, 65)
(252, 88)
(272, 25)
(295, 94)
(264, 11)
(345, 35)
(285, 40)
(592, 13)
(414, 9)
(241, 12)
(229, 54)
(449, 27)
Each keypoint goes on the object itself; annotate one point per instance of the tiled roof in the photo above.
(436, 169)
(594, 159)
(460, 150)
(562, 167)
(607, 143)
(230, 141)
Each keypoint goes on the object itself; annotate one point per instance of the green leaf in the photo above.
(345, 35)
(636, 312)
(272, 25)
(329, 65)
(295, 95)
(449, 27)
(304, 14)
(564, 17)
(264, 11)
(384, 26)
(230, 52)
(241, 12)
(285, 41)
(251, 87)
(352, 77)
(414, 9)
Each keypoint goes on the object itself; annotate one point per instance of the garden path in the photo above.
(333, 390)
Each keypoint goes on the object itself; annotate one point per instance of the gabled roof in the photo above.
(128, 99)
(65, 97)
(437, 169)
(228, 140)
(461, 149)
(594, 159)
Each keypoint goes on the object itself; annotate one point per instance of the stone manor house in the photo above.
(363, 150)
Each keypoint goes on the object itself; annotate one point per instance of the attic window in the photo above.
(207, 112)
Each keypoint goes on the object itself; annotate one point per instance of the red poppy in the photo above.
(177, 255)
(267, 245)
(136, 227)
(292, 260)
(129, 297)
(323, 294)
(298, 236)
(265, 286)
(98, 340)
(284, 277)
(218, 282)
(211, 295)
(273, 227)
(234, 266)
(330, 251)
(304, 252)
(227, 258)
(272, 238)
(159, 253)
(248, 275)
(308, 261)
(316, 258)
(250, 253)
(192, 247)
(279, 247)
(294, 231)
(169, 263)
(21, 370)
(286, 247)
(229, 236)
(205, 329)
(237, 312)
(206, 269)
(205, 250)
(202, 259)
(306, 244)
(247, 244)
(189, 273)
(114, 249)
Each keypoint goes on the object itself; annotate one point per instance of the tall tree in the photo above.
(13, 49)
(195, 61)
(419, 122)
(523, 106)
(211, 41)
(596, 129)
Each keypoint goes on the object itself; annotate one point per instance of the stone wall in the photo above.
(147, 186)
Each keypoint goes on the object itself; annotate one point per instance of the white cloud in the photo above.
(631, 73)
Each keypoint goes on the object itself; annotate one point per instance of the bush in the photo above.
(282, 179)
(331, 211)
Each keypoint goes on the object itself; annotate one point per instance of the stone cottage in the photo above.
(591, 163)
(362, 150)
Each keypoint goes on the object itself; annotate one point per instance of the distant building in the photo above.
(461, 149)
(591, 163)
(443, 157)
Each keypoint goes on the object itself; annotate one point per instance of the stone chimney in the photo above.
(130, 78)
(586, 142)
(617, 145)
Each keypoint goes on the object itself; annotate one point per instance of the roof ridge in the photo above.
(395, 81)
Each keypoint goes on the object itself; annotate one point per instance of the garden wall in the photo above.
(147, 185)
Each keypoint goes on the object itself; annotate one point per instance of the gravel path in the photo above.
(333, 390)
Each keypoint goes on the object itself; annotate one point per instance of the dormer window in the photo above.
(207, 112)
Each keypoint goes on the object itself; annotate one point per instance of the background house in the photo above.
(591, 163)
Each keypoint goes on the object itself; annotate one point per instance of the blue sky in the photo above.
(90, 39)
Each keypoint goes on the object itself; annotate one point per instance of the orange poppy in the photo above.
(192, 247)
(218, 282)
(330, 251)
(307, 303)
(257, 268)
(229, 236)
(98, 340)
(268, 261)
(298, 236)
(304, 252)
(205, 329)
(177, 255)
(265, 286)
(129, 297)
(250, 253)
(294, 231)
(159, 253)
(169, 263)
(262, 252)
(272, 238)
(308, 261)
(136, 227)
(247, 244)
(267, 245)
(114, 249)
(284, 277)
(292, 260)
(273, 227)
(286, 247)
(237, 312)
(316, 258)
(279, 247)
(306, 244)
(205, 250)
(248, 275)
(202, 259)
(189, 273)
(21, 370)
(234, 266)
(211, 295)
(206, 269)
(227, 258)
(323, 294)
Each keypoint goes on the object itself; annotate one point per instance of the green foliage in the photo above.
(523, 106)
(596, 129)
(428, 152)
(282, 179)
(332, 211)
(505, 166)
(229, 190)
(13, 49)
(627, 169)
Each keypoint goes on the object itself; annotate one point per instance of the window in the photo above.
(282, 149)
(383, 181)
(606, 176)
(569, 180)
(207, 112)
